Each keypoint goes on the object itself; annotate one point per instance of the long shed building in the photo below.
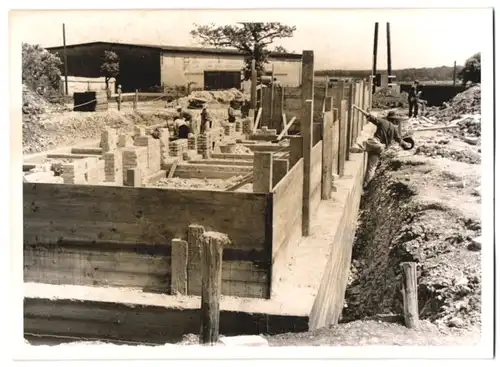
(146, 66)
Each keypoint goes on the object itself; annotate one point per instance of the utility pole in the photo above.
(389, 61)
(65, 61)
(375, 45)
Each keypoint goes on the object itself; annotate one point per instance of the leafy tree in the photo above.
(40, 68)
(472, 70)
(252, 39)
(280, 49)
(110, 67)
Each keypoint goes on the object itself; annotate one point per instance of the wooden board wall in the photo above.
(316, 164)
(287, 209)
(121, 236)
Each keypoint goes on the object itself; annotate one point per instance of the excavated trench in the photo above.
(399, 223)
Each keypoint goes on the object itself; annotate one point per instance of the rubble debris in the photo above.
(387, 98)
(467, 102)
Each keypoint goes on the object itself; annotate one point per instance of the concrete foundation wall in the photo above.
(287, 209)
(329, 300)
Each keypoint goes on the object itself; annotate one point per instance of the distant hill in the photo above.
(442, 73)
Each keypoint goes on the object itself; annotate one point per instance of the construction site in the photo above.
(123, 211)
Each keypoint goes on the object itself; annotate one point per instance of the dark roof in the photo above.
(180, 49)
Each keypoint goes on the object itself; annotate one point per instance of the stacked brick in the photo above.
(204, 145)
(75, 172)
(192, 142)
(164, 145)
(109, 140)
(238, 126)
(247, 126)
(178, 147)
(136, 157)
(113, 166)
(101, 167)
(91, 174)
(229, 129)
(153, 152)
(266, 131)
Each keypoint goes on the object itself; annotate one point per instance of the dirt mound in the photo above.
(423, 210)
(386, 98)
(52, 130)
(465, 103)
(211, 97)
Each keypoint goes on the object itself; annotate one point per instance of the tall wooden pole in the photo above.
(410, 295)
(253, 92)
(375, 47)
(65, 61)
(389, 60)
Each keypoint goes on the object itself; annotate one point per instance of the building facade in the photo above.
(147, 67)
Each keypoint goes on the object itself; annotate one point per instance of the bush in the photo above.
(40, 68)
(472, 70)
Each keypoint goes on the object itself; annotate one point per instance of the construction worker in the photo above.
(206, 119)
(182, 128)
(184, 114)
(386, 133)
(413, 98)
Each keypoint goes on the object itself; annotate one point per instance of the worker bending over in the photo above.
(181, 128)
(386, 133)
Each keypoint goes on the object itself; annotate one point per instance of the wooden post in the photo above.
(306, 129)
(271, 123)
(119, 99)
(136, 99)
(410, 295)
(65, 61)
(194, 262)
(342, 136)
(179, 264)
(212, 246)
(253, 93)
(263, 172)
(351, 121)
(327, 158)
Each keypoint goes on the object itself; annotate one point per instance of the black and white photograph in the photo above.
(211, 179)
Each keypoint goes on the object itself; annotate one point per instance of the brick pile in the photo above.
(266, 131)
(229, 129)
(109, 140)
(247, 126)
(113, 166)
(238, 125)
(192, 142)
(164, 145)
(178, 147)
(136, 157)
(74, 172)
(91, 171)
(205, 144)
(101, 168)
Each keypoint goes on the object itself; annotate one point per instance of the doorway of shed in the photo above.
(217, 80)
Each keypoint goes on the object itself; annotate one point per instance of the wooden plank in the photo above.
(342, 137)
(179, 260)
(211, 270)
(316, 175)
(285, 130)
(351, 121)
(194, 234)
(327, 156)
(336, 123)
(52, 212)
(306, 127)
(295, 150)
(173, 168)
(256, 124)
(263, 172)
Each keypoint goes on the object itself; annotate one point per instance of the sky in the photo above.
(340, 39)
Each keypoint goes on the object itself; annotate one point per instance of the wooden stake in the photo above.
(285, 130)
(211, 279)
(136, 99)
(410, 297)
(256, 125)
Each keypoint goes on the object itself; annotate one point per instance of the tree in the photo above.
(471, 72)
(110, 67)
(252, 39)
(40, 68)
(280, 49)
